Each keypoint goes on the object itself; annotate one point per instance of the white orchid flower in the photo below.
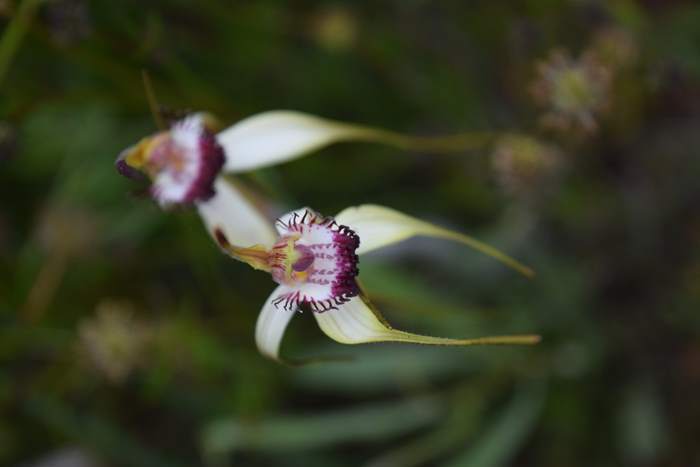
(185, 163)
(314, 261)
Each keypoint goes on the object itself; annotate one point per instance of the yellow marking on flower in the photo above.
(139, 156)
(135, 156)
(256, 256)
(289, 256)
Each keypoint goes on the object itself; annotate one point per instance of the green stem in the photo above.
(153, 101)
(15, 32)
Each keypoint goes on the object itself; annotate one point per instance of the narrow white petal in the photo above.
(278, 136)
(356, 322)
(379, 226)
(271, 324)
(237, 218)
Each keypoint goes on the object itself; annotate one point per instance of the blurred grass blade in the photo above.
(506, 435)
(97, 433)
(14, 34)
(152, 101)
(315, 431)
(384, 369)
(463, 420)
(642, 427)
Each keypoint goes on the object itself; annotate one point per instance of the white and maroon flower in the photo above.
(185, 164)
(314, 259)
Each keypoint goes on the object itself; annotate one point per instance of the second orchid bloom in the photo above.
(314, 261)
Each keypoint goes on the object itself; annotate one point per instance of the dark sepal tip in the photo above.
(221, 238)
(125, 170)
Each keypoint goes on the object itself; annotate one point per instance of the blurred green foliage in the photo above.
(126, 338)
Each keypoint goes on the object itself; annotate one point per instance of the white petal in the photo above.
(356, 322)
(379, 226)
(237, 218)
(271, 325)
(278, 136)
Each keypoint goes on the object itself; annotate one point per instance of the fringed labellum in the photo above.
(314, 259)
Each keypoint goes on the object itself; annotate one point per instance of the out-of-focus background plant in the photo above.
(126, 338)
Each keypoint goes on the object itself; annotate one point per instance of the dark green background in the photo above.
(614, 236)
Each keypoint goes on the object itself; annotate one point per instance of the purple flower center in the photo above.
(316, 258)
(306, 258)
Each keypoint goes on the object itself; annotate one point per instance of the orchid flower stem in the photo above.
(152, 101)
(45, 286)
(15, 32)
(441, 144)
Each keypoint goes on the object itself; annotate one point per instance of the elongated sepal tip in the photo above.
(528, 272)
(525, 339)
(531, 339)
(379, 226)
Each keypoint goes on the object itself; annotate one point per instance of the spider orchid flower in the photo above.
(314, 261)
(185, 163)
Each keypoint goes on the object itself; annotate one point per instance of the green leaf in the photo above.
(367, 423)
(96, 432)
(641, 424)
(507, 433)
